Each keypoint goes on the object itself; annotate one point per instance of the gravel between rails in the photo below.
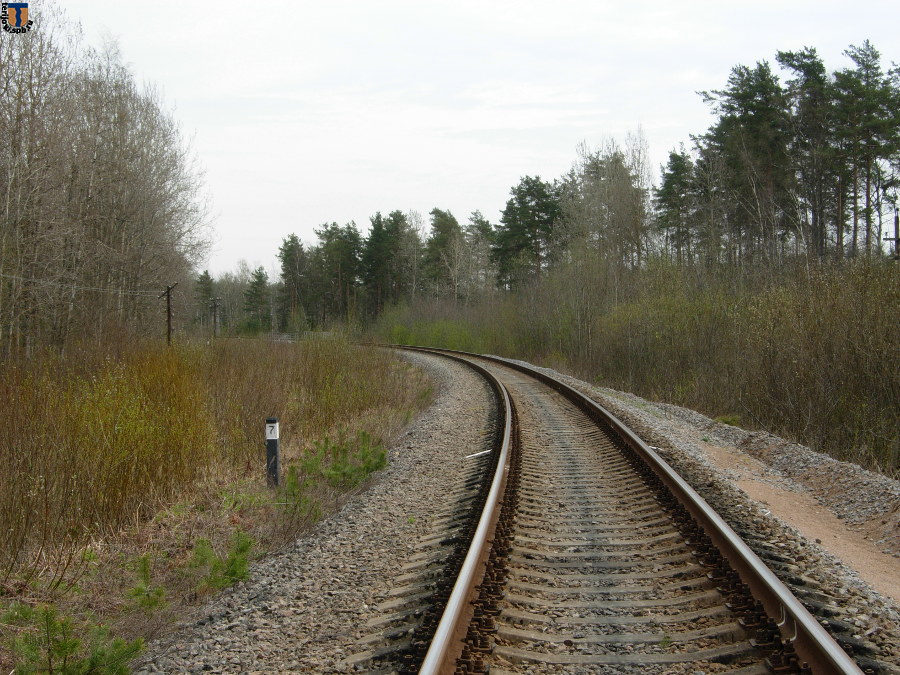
(868, 501)
(303, 609)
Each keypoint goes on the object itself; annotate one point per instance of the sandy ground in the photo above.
(802, 511)
(852, 513)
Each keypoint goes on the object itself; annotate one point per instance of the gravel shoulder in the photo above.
(305, 608)
(852, 513)
(837, 523)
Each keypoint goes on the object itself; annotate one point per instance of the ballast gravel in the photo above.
(303, 609)
(867, 501)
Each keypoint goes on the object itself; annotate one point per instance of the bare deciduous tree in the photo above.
(100, 197)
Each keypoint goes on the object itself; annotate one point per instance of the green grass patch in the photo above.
(733, 420)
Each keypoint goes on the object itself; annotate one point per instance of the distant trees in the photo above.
(676, 201)
(480, 273)
(389, 263)
(812, 120)
(257, 302)
(868, 136)
(101, 204)
(336, 272)
(293, 291)
(751, 134)
(804, 167)
(204, 291)
(605, 203)
(442, 259)
(522, 241)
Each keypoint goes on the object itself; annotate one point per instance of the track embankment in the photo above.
(597, 572)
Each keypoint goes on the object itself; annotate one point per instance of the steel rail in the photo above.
(810, 640)
(447, 644)
(797, 626)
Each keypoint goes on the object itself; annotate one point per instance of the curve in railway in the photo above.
(591, 564)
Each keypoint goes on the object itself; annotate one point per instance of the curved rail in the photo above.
(447, 643)
(797, 626)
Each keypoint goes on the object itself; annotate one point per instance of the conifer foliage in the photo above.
(805, 166)
(799, 163)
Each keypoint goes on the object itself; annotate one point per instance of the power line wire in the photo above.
(54, 284)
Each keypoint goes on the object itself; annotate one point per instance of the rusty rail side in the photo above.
(447, 644)
(812, 643)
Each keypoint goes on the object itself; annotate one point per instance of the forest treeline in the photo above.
(752, 282)
(747, 276)
(798, 164)
(100, 199)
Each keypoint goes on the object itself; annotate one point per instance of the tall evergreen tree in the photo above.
(257, 302)
(405, 250)
(752, 134)
(294, 284)
(442, 251)
(480, 271)
(336, 269)
(870, 132)
(713, 206)
(523, 238)
(203, 295)
(377, 264)
(675, 203)
(811, 100)
(480, 227)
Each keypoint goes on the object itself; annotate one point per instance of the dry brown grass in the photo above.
(150, 451)
(806, 351)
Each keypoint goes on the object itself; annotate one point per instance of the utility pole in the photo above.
(215, 308)
(896, 237)
(168, 295)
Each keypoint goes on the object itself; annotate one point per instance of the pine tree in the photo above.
(257, 302)
(377, 263)
(869, 131)
(752, 136)
(203, 295)
(403, 253)
(442, 251)
(811, 98)
(675, 203)
(336, 271)
(294, 282)
(523, 238)
(481, 272)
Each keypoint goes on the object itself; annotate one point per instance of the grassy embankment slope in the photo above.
(134, 481)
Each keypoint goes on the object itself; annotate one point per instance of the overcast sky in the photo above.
(310, 112)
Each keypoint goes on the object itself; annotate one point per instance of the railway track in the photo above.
(586, 553)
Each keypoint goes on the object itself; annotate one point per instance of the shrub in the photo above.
(805, 351)
(223, 572)
(47, 643)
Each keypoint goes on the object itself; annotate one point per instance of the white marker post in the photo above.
(273, 453)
